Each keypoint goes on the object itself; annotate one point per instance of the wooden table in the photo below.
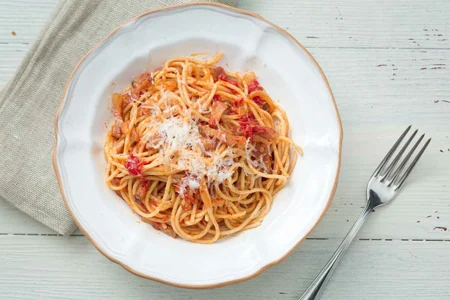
(388, 63)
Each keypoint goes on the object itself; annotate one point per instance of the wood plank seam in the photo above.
(310, 47)
(309, 239)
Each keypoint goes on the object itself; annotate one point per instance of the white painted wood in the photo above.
(25, 17)
(327, 23)
(10, 57)
(70, 268)
(360, 24)
(388, 64)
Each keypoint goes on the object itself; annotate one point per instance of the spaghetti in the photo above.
(196, 151)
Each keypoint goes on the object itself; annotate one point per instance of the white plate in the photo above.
(287, 71)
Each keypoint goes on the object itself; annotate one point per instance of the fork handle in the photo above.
(316, 288)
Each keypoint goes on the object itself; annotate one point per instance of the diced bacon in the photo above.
(117, 100)
(223, 136)
(134, 137)
(264, 134)
(217, 72)
(124, 127)
(218, 108)
(116, 129)
(126, 99)
(135, 93)
(267, 159)
(140, 84)
(143, 111)
(142, 190)
(143, 81)
(208, 143)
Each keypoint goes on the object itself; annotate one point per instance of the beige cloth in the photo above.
(29, 101)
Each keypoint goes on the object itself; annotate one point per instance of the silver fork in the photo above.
(383, 186)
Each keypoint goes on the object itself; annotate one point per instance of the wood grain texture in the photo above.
(388, 64)
(326, 23)
(360, 24)
(70, 268)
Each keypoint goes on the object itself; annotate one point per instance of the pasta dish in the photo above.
(197, 151)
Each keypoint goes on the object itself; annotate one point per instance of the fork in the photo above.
(383, 186)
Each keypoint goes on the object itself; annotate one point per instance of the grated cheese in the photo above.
(180, 143)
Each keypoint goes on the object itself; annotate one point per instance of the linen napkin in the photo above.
(28, 103)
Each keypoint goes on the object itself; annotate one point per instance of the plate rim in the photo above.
(123, 264)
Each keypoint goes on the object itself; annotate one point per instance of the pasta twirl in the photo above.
(196, 151)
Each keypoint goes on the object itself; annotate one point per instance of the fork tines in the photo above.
(393, 176)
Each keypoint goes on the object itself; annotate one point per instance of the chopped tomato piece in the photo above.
(246, 124)
(134, 165)
(238, 103)
(258, 101)
(254, 86)
(225, 78)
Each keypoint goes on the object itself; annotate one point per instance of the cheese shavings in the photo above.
(180, 144)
